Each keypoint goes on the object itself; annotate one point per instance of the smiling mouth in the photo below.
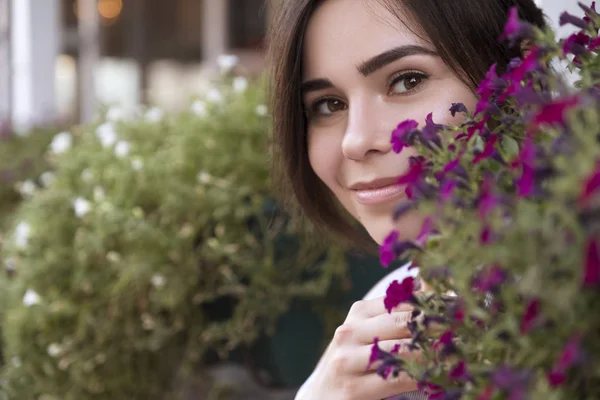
(379, 191)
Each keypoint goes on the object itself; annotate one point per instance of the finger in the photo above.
(376, 387)
(384, 327)
(357, 362)
(370, 308)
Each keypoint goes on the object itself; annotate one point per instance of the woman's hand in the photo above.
(342, 371)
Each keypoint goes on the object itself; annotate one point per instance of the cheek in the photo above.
(323, 157)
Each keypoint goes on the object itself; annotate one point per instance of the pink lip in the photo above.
(378, 191)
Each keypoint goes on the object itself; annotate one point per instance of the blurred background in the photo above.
(59, 58)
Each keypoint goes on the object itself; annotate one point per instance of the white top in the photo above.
(376, 291)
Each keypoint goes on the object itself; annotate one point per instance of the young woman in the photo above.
(344, 74)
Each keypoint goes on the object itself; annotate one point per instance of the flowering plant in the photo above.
(154, 246)
(511, 243)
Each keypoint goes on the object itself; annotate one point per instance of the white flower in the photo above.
(122, 149)
(27, 188)
(240, 84)
(115, 114)
(31, 298)
(199, 108)
(54, 350)
(214, 95)
(137, 164)
(158, 281)
(81, 206)
(87, 175)
(227, 62)
(99, 193)
(47, 178)
(22, 232)
(204, 177)
(154, 114)
(106, 134)
(261, 110)
(61, 142)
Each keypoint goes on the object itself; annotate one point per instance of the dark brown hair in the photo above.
(465, 35)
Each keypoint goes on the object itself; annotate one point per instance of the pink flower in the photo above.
(554, 113)
(515, 29)
(531, 316)
(489, 279)
(398, 293)
(488, 151)
(403, 135)
(569, 356)
(447, 189)
(487, 200)
(459, 372)
(417, 167)
(387, 253)
(591, 185)
(594, 44)
(426, 231)
(576, 43)
(375, 352)
(526, 182)
(487, 236)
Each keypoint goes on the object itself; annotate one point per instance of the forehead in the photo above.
(343, 32)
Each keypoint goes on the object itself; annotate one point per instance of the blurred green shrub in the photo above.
(152, 225)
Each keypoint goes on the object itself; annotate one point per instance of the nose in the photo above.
(367, 131)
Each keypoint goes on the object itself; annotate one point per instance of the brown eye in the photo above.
(326, 107)
(406, 83)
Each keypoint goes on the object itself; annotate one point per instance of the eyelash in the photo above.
(397, 78)
(394, 80)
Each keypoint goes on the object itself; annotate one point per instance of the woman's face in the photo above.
(363, 73)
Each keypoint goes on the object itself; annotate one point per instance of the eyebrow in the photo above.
(371, 65)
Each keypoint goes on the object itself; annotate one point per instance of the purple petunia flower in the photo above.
(398, 293)
(555, 112)
(447, 189)
(591, 277)
(489, 279)
(566, 18)
(375, 352)
(531, 316)
(488, 151)
(473, 129)
(513, 382)
(426, 230)
(386, 250)
(594, 44)
(459, 372)
(589, 11)
(525, 183)
(576, 44)
(591, 186)
(569, 356)
(403, 135)
(515, 29)
(417, 167)
(487, 200)
(391, 364)
(487, 236)
(430, 131)
(458, 108)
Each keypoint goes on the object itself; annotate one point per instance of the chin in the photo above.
(380, 227)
